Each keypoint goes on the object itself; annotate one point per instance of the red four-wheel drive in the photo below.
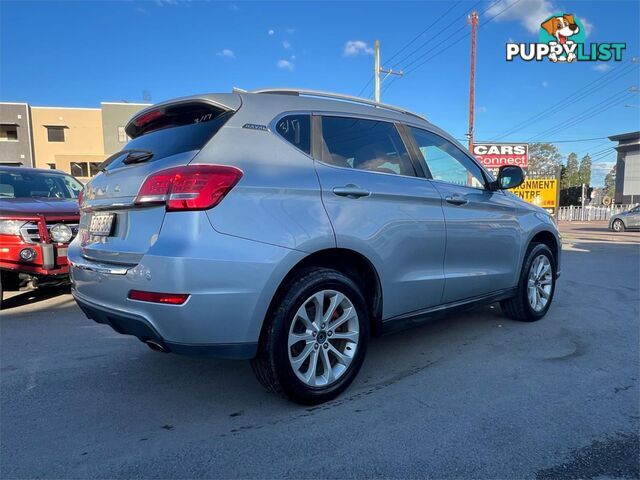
(38, 219)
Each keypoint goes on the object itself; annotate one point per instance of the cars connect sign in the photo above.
(494, 155)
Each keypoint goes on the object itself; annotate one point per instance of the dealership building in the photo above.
(627, 168)
(74, 140)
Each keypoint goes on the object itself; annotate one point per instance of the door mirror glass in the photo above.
(510, 176)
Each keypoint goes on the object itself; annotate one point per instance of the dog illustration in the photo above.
(561, 27)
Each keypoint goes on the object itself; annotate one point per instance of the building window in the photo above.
(79, 169)
(122, 135)
(52, 166)
(94, 168)
(8, 133)
(55, 134)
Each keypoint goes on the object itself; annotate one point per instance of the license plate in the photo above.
(101, 224)
(62, 252)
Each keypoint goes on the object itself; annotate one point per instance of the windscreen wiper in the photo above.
(134, 155)
(137, 156)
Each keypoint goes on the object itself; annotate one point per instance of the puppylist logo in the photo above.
(562, 39)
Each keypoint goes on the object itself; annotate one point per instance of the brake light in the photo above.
(192, 187)
(147, 118)
(155, 297)
(80, 197)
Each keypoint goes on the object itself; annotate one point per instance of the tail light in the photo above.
(155, 297)
(80, 197)
(192, 187)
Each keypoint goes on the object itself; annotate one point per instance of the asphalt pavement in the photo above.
(474, 395)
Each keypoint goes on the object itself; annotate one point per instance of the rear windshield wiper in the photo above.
(134, 155)
(137, 156)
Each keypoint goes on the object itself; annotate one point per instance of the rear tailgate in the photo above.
(163, 136)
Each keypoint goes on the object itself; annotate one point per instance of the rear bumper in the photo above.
(127, 323)
(230, 282)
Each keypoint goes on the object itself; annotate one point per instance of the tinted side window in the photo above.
(364, 144)
(296, 129)
(447, 162)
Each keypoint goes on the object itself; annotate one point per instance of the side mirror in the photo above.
(509, 176)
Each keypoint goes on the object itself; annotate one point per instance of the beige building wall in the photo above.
(83, 140)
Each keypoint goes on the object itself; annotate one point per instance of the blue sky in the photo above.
(80, 53)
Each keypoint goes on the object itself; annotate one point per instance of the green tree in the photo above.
(544, 158)
(610, 183)
(584, 171)
(570, 173)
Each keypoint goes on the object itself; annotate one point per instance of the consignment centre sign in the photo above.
(494, 155)
(542, 192)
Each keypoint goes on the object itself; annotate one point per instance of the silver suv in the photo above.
(287, 226)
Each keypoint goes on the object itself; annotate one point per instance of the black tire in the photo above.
(618, 225)
(518, 307)
(272, 365)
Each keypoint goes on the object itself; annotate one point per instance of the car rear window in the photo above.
(171, 130)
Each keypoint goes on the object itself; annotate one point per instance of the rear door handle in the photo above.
(456, 200)
(351, 191)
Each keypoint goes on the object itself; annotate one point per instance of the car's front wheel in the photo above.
(617, 225)
(316, 341)
(536, 286)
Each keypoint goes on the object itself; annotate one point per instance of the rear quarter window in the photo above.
(296, 129)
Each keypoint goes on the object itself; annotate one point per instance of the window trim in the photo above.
(485, 176)
(317, 138)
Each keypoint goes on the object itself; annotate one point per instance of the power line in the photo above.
(588, 113)
(433, 37)
(461, 38)
(444, 29)
(435, 22)
(452, 44)
(576, 96)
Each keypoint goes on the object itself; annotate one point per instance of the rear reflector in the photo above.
(192, 187)
(155, 297)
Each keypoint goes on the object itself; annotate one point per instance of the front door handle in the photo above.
(456, 200)
(351, 191)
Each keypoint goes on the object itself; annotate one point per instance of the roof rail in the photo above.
(336, 96)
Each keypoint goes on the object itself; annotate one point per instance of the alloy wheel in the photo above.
(617, 225)
(540, 283)
(323, 338)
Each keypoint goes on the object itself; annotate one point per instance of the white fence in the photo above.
(575, 214)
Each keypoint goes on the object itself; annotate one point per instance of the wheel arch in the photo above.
(353, 264)
(547, 238)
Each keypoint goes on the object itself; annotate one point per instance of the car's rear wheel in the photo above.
(316, 341)
(536, 286)
(618, 225)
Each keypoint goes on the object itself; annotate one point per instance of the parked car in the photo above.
(286, 226)
(38, 218)
(629, 220)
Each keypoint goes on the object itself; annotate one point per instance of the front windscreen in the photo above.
(38, 185)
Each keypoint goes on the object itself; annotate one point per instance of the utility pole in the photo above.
(473, 19)
(377, 70)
